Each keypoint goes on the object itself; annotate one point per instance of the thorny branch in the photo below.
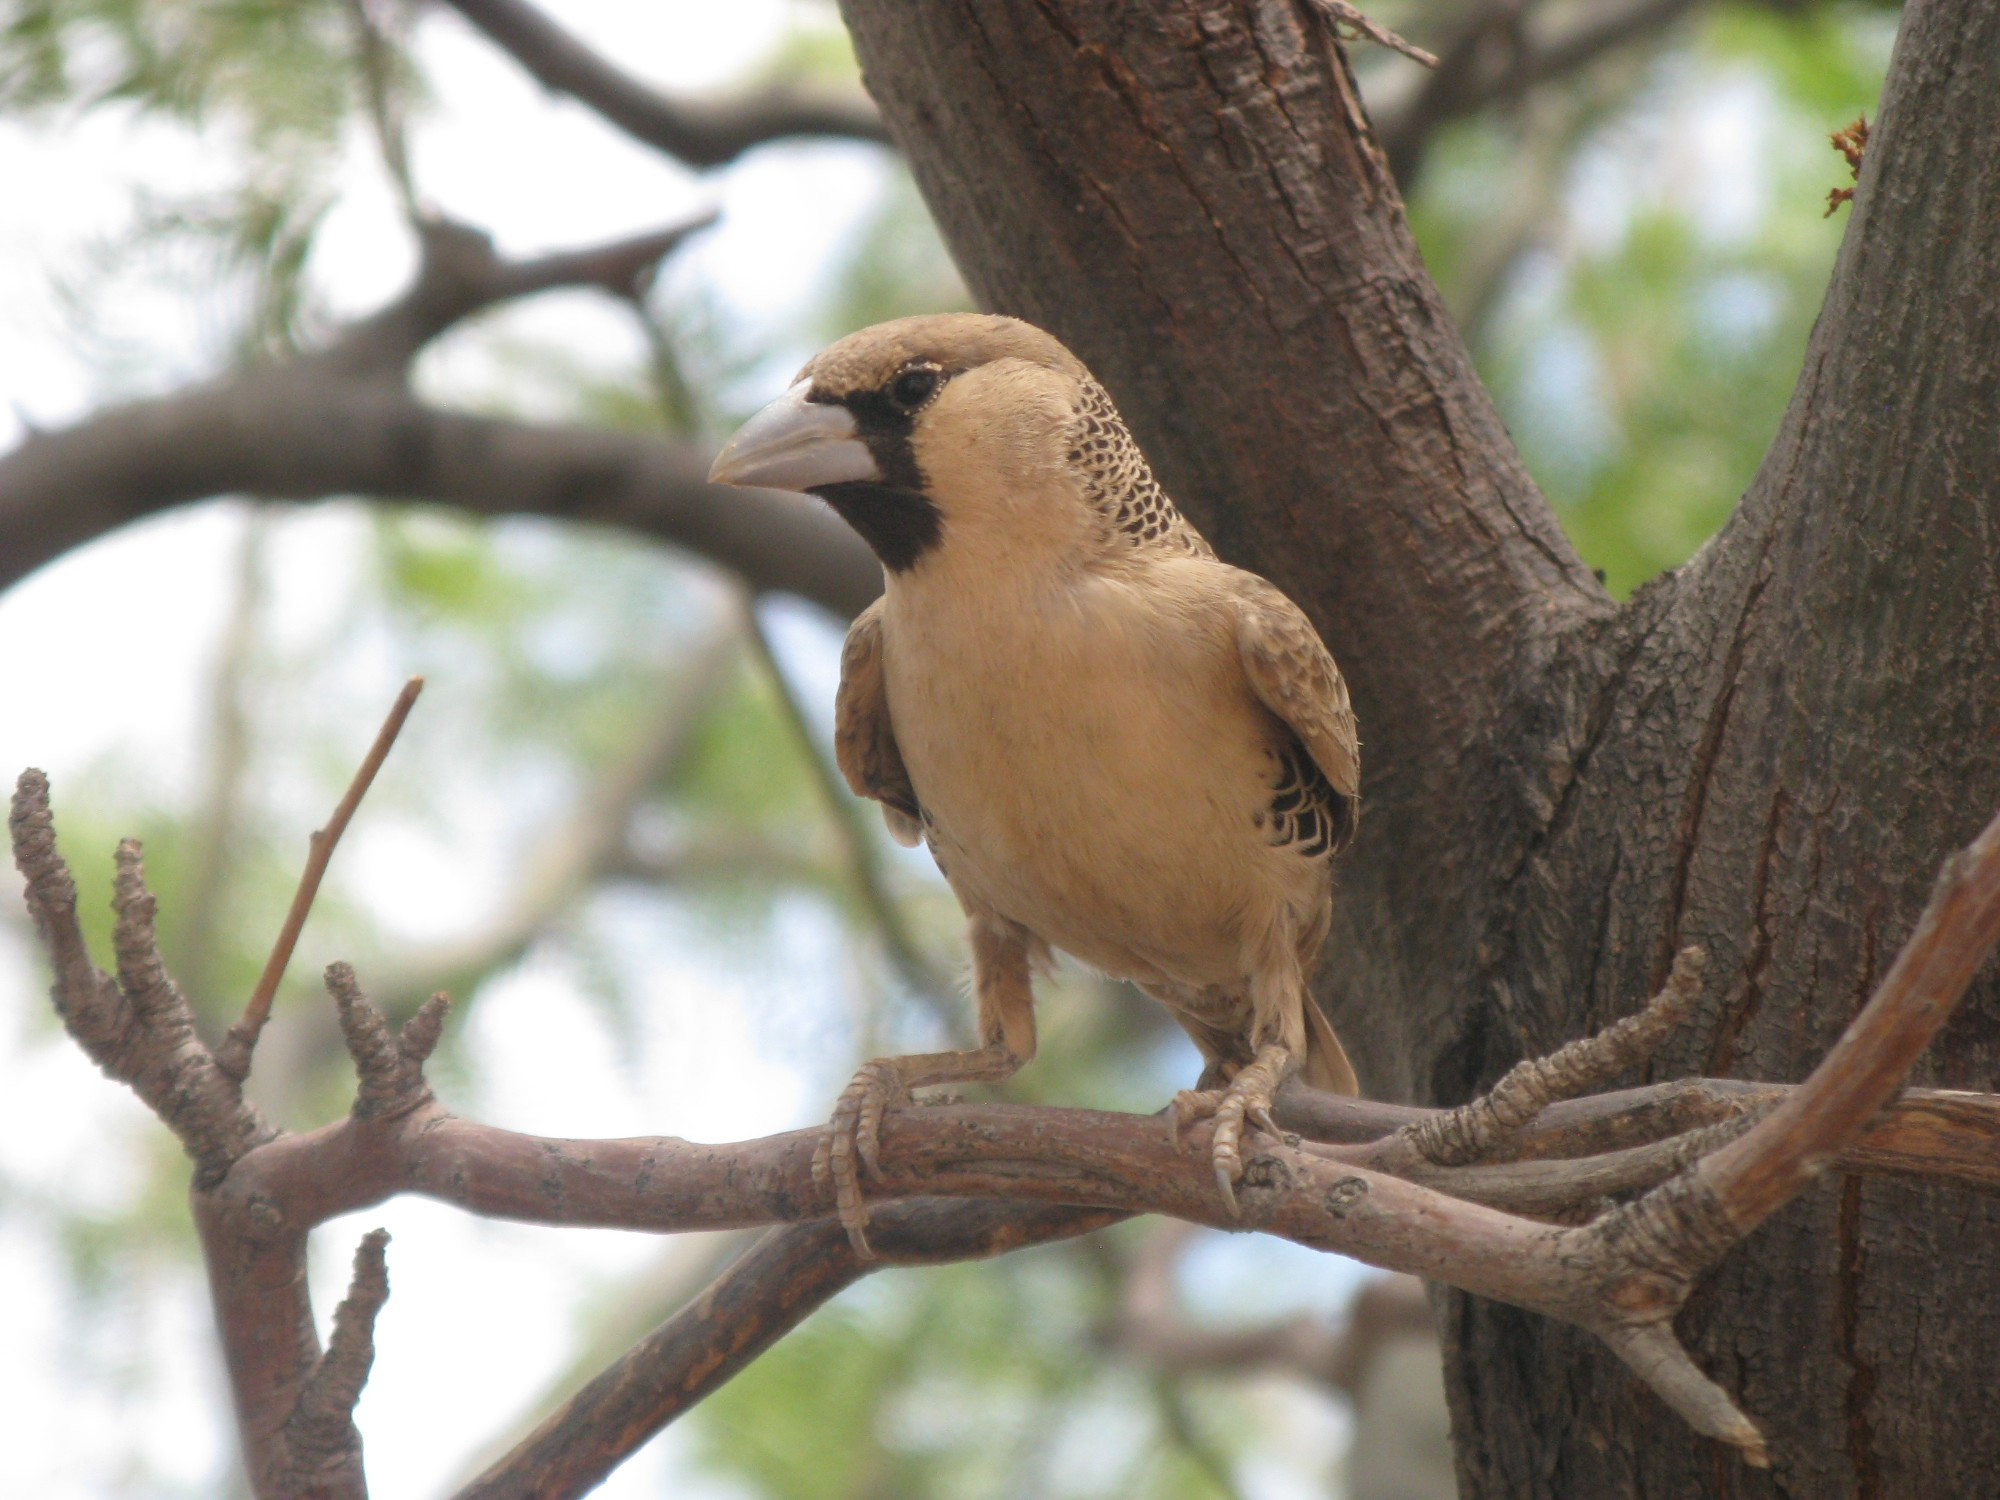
(1505, 1198)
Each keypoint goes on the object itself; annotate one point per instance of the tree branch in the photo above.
(706, 133)
(459, 274)
(323, 1456)
(1808, 1129)
(234, 1052)
(768, 1291)
(1622, 1275)
(340, 421)
(296, 433)
(138, 1028)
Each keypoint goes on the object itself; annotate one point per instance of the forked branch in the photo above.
(1505, 1198)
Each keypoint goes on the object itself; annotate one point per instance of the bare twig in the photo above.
(138, 1028)
(390, 1066)
(323, 1448)
(233, 1055)
(1463, 1135)
(1831, 1110)
(1943, 1134)
(702, 134)
(1339, 13)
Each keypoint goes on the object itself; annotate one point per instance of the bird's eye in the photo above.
(913, 388)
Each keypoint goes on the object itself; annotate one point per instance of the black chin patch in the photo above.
(893, 514)
(900, 525)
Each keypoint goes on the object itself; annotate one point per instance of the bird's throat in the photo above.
(899, 524)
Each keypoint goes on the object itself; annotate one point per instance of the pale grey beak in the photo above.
(795, 444)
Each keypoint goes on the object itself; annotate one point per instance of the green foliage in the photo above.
(1652, 314)
(745, 765)
(277, 70)
(273, 85)
(815, 51)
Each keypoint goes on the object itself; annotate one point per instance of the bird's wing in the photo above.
(1293, 675)
(864, 741)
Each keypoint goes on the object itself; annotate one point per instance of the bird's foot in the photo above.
(853, 1140)
(1247, 1096)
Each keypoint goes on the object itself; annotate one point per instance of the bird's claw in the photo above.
(1188, 1106)
(1226, 1184)
(1246, 1097)
(855, 1133)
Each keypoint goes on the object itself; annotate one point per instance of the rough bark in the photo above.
(1765, 753)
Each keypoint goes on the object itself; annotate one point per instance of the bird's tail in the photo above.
(1326, 1066)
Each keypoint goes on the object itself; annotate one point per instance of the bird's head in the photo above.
(957, 426)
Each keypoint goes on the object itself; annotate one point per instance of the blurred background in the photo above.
(610, 828)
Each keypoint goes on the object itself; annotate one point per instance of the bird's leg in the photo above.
(853, 1137)
(1247, 1096)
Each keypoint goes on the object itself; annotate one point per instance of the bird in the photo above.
(1113, 743)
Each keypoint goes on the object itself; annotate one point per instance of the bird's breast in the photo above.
(1093, 765)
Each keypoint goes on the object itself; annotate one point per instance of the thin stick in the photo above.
(1339, 13)
(233, 1056)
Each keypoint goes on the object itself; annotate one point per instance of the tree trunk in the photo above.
(1767, 752)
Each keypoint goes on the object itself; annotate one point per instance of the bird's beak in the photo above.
(795, 444)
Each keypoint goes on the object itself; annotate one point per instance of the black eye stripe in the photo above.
(893, 512)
